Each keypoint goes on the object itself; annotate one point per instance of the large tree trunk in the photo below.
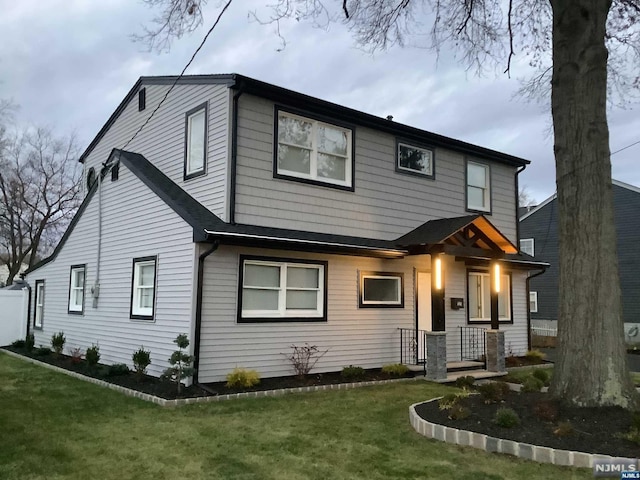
(592, 368)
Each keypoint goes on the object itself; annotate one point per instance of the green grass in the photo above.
(56, 427)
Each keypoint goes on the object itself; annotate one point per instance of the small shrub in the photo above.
(42, 352)
(531, 384)
(459, 412)
(465, 382)
(180, 363)
(29, 342)
(535, 355)
(92, 355)
(633, 435)
(451, 399)
(18, 344)
(57, 342)
(493, 392)
(352, 372)
(542, 374)
(117, 369)
(546, 410)
(564, 429)
(242, 377)
(395, 370)
(506, 418)
(141, 360)
(304, 358)
(76, 354)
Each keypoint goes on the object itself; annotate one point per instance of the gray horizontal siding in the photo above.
(367, 337)
(162, 140)
(136, 223)
(385, 204)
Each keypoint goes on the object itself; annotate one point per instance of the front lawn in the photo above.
(55, 427)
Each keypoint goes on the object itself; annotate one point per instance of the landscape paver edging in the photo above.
(163, 402)
(565, 458)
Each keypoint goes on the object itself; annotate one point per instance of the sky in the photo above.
(69, 63)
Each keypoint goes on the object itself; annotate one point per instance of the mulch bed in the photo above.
(168, 390)
(523, 361)
(595, 430)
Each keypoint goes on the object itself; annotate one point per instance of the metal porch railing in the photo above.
(473, 343)
(413, 347)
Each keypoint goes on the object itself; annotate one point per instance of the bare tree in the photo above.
(39, 194)
(525, 199)
(585, 41)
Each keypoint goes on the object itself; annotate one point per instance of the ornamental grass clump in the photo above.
(242, 378)
(395, 370)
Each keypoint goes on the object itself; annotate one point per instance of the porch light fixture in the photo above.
(438, 270)
(496, 277)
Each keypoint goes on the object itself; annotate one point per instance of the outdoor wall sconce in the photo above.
(496, 277)
(438, 273)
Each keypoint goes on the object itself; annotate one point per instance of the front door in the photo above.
(424, 310)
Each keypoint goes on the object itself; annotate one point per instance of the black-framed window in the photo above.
(143, 288)
(195, 144)
(281, 290)
(313, 150)
(77, 280)
(478, 191)
(479, 297)
(415, 159)
(381, 289)
(38, 311)
(142, 99)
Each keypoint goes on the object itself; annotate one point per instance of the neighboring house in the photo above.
(254, 218)
(539, 238)
(4, 273)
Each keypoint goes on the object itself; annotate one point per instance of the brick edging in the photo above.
(163, 402)
(465, 438)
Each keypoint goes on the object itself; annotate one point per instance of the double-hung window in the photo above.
(76, 289)
(479, 294)
(313, 151)
(533, 302)
(38, 315)
(195, 149)
(143, 288)
(414, 160)
(381, 289)
(282, 290)
(478, 187)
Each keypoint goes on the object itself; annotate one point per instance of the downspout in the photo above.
(529, 306)
(28, 312)
(196, 340)
(234, 156)
(95, 290)
(518, 172)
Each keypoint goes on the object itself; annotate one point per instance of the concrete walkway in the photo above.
(634, 360)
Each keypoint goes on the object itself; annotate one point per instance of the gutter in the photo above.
(196, 340)
(234, 154)
(529, 305)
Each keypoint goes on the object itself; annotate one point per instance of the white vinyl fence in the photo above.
(13, 315)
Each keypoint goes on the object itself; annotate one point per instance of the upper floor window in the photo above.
(76, 289)
(413, 159)
(143, 288)
(314, 151)
(282, 290)
(195, 150)
(478, 187)
(527, 246)
(479, 284)
(39, 307)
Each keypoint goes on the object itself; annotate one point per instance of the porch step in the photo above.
(415, 368)
(466, 365)
(477, 374)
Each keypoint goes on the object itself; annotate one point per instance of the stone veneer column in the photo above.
(436, 357)
(495, 351)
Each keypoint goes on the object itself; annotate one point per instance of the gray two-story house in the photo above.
(254, 218)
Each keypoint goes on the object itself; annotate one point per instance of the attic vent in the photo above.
(115, 171)
(142, 99)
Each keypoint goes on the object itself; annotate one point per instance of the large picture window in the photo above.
(195, 150)
(478, 187)
(313, 151)
(479, 295)
(38, 315)
(76, 289)
(143, 288)
(381, 289)
(414, 160)
(281, 290)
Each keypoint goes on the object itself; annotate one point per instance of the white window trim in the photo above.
(136, 310)
(533, 298)
(486, 190)
(313, 157)
(73, 287)
(428, 174)
(188, 170)
(391, 276)
(39, 304)
(523, 248)
(503, 291)
(282, 289)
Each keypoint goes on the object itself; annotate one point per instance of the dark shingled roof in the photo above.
(435, 231)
